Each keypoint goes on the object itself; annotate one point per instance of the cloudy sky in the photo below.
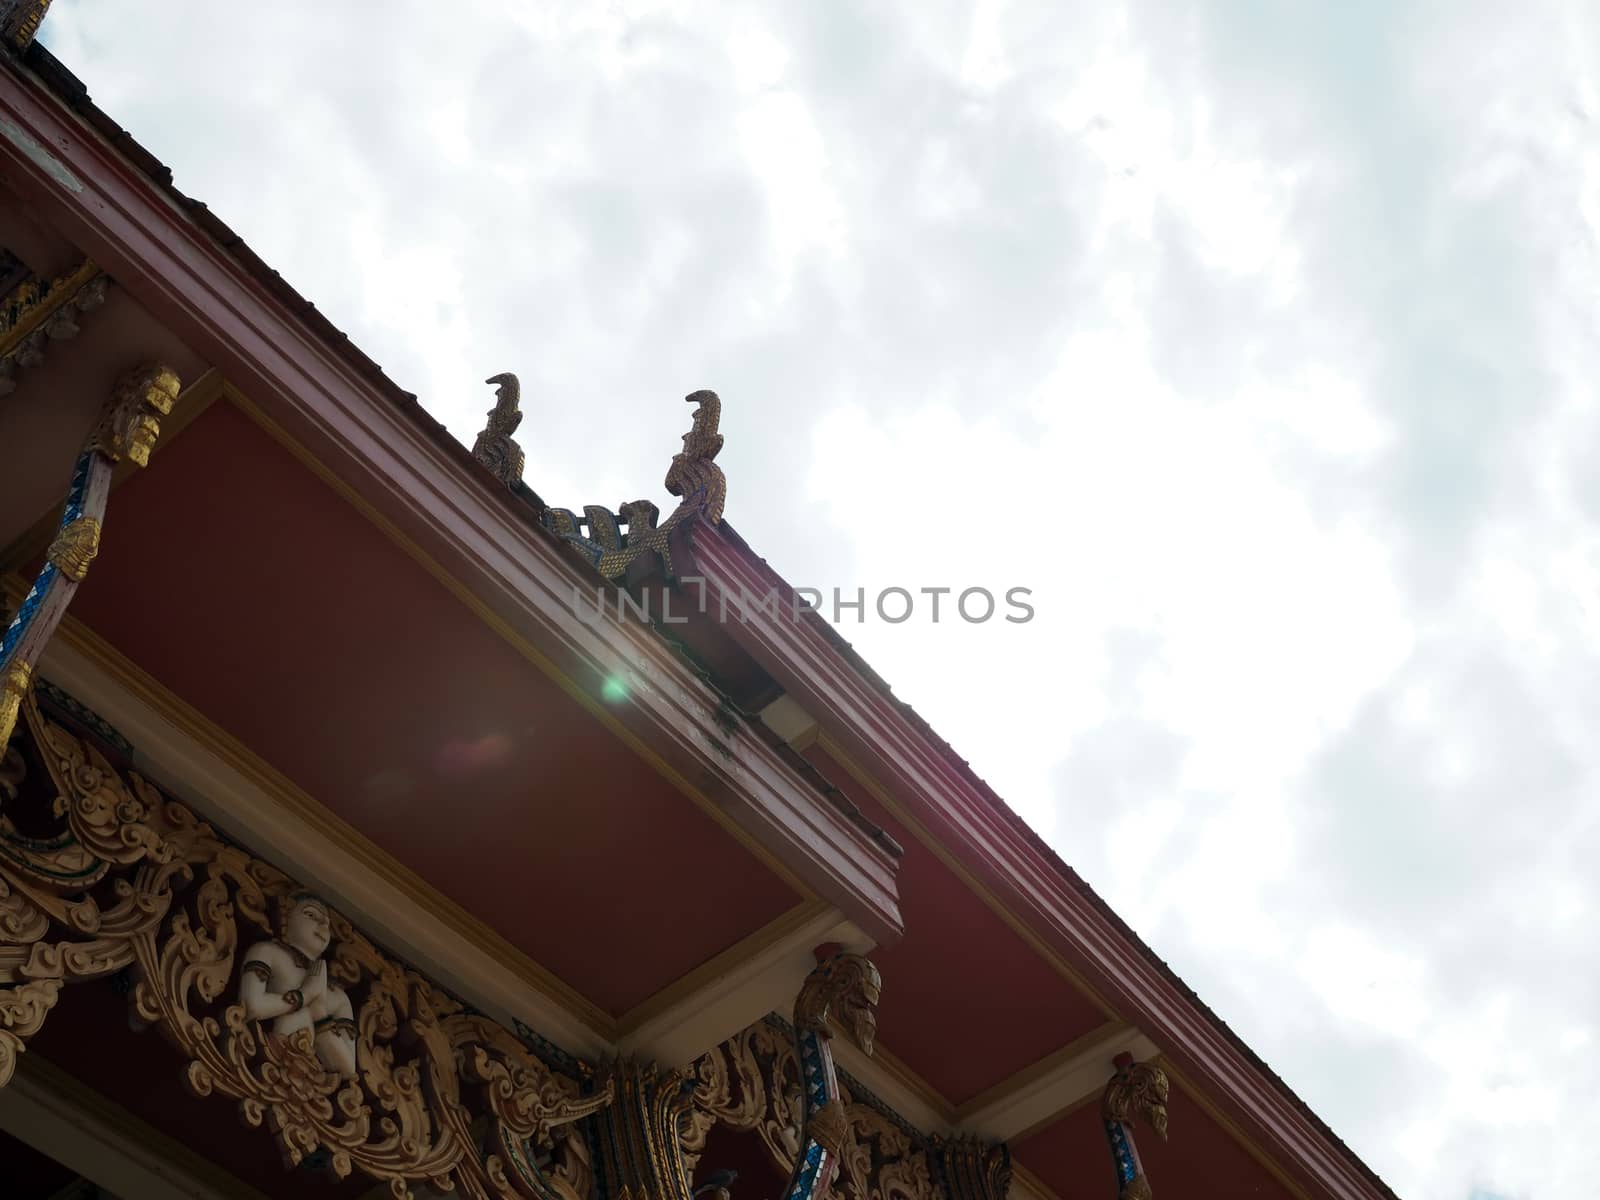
(1257, 338)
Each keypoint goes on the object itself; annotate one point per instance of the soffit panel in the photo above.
(251, 590)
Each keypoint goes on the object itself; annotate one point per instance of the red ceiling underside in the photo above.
(248, 587)
(1197, 1162)
(966, 1002)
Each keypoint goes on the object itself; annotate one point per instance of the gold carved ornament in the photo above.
(20, 20)
(75, 547)
(16, 676)
(495, 447)
(131, 423)
(130, 879)
(693, 476)
(128, 427)
(755, 1082)
(1136, 1091)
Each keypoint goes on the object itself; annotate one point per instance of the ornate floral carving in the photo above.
(693, 476)
(1136, 1090)
(495, 447)
(753, 1082)
(886, 1161)
(130, 878)
(764, 1079)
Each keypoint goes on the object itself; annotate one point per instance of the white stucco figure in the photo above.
(285, 981)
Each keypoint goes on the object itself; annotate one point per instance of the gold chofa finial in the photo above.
(692, 474)
(495, 447)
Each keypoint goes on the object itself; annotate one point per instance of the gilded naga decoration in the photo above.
(780, 1083)
(1137, 1090)
(845, 986)
(693, 476)
(495, 447)
(128, 428)
(332, 1045)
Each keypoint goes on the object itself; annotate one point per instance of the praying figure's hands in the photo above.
(316, 984)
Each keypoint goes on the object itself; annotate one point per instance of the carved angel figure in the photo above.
(285, 981)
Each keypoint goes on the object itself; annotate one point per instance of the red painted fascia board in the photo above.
(381, 446)
(1036, 887)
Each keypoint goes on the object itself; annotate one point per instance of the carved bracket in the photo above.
(128, 428)
(754, 1082)
(763, 1081)
(1136, 1091)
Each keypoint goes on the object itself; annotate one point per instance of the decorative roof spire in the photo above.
(495, 448)
(19, 21)
(692, 474)
(693, 477)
